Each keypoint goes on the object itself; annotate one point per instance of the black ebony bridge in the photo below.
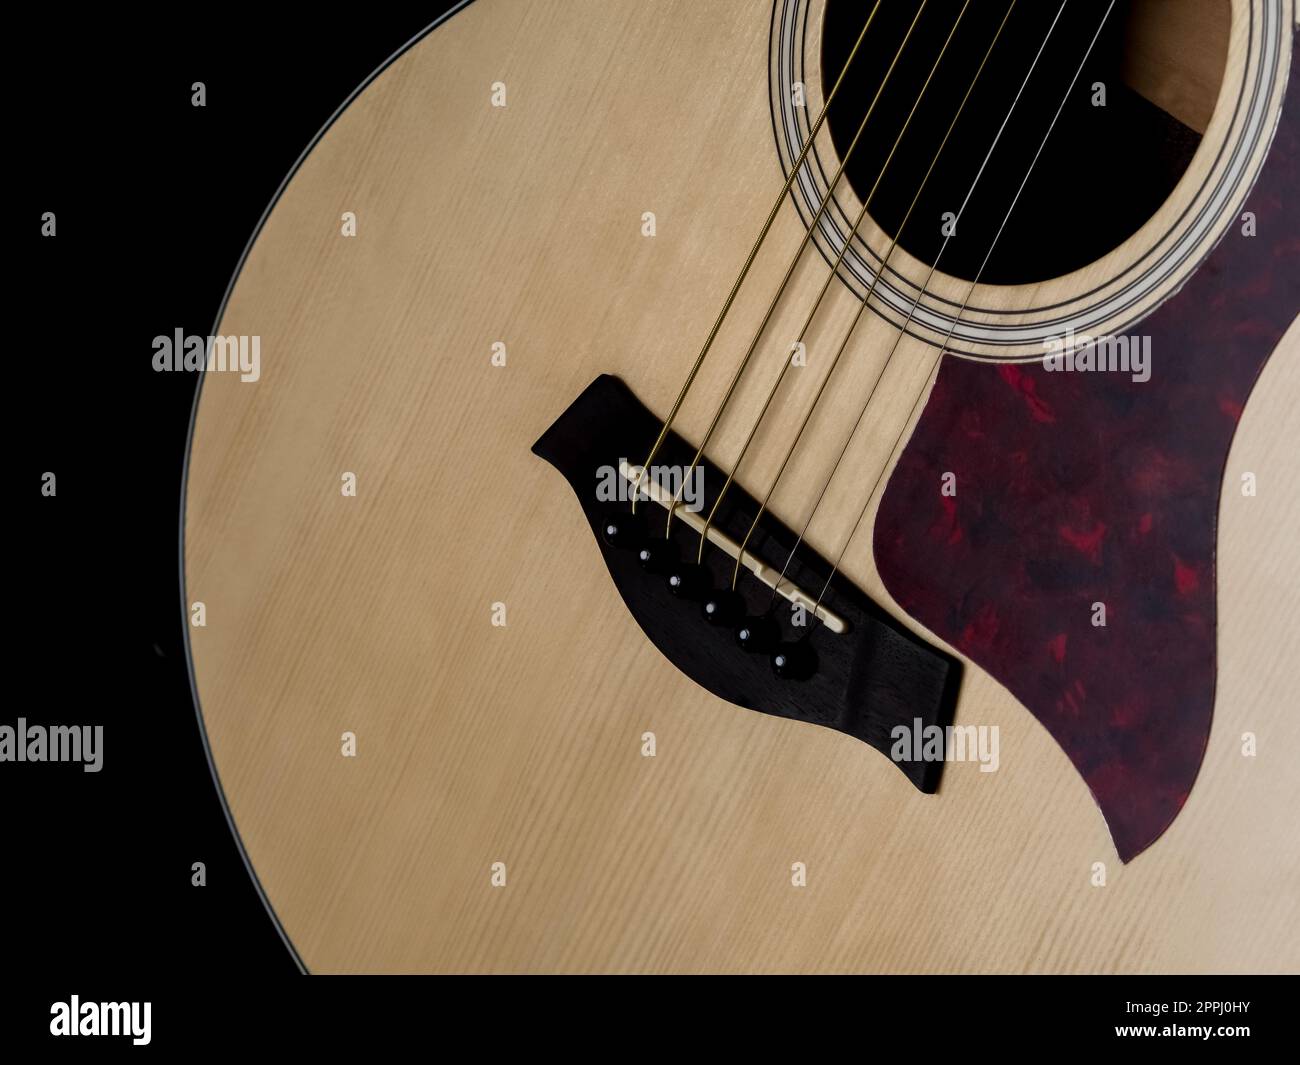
(852, 667)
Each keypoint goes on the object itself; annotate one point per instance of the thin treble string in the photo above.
(926, 283)
(786, 363)
(753, 254)
(839, 354)
(965, 303)
(794, 262)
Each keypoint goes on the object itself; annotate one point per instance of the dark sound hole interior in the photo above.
(1104, 171)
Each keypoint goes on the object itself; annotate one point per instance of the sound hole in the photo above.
(1108, 165)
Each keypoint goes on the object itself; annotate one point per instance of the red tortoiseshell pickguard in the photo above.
(1078, 488)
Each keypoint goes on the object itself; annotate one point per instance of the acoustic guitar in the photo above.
(808, 486)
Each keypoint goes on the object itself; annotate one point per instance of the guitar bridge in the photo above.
(850, 665)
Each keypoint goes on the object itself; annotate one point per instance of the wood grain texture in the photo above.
(521, 744)
(1177, 50)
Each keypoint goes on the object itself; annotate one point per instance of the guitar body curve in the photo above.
(445, 743)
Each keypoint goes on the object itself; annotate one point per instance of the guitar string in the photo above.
(753, 252)
(789, 361)
(965, 303)
(794, 262)
(843, 347)
(821, 495)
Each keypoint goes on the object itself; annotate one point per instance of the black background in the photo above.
(155, 201)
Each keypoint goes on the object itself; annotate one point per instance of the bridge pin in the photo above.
(794, 661)
(758, 634)
(622, 529)
(724, 607)
(657, 554)
(688, 580)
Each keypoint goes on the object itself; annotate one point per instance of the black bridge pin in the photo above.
(794, 660)
(658, 554)
(725, 606)
(622, 528)
(758, 634)
(688, 580)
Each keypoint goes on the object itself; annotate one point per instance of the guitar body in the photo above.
(428, 706)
